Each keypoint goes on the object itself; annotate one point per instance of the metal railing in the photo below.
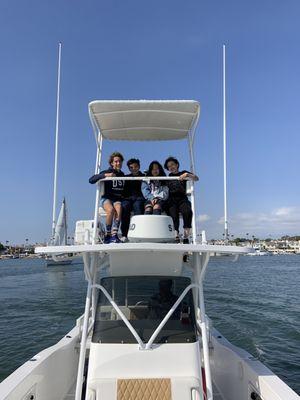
(100, 191)
(148, 345)
(201, 261)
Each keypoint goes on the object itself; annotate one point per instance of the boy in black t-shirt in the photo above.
(134, 199)
(178, 201)
(112, 198)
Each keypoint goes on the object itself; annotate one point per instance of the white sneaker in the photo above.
(124, 239)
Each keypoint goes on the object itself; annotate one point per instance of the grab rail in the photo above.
(124, 319)
(200, 263)
(148, 345)
(100, 191)
(144, 178)
(168, 315)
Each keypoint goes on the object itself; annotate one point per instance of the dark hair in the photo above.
(150, 168)
(133, 161)
(171, 159)
(113, 155)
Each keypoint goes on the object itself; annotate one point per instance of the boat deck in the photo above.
(71, 394)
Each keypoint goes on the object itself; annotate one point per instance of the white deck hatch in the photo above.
(144, 120)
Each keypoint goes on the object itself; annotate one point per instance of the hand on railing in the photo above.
(145, 178)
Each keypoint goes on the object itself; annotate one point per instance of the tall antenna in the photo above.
(224, 146)
(56, 144)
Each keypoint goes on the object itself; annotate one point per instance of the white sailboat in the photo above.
(61, 234)
(60, 238)
(144, 333)
(59, 228)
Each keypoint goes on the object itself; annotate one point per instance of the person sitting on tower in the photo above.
(156, 192)
(112, 197)
(134, 199)
(178, 201)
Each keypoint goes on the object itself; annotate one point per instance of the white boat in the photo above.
(258, 251)
(144, 333)
(59, 227)
(60, 238)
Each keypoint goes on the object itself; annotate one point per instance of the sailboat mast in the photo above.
(224, 147)
(56, 144)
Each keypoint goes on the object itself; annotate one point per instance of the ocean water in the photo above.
(254, 302)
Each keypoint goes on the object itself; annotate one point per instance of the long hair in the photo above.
(161, 170)
(150, 168)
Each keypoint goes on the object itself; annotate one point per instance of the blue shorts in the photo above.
(113, 201)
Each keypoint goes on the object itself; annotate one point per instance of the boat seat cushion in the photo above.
(143, 389)
(176, 388)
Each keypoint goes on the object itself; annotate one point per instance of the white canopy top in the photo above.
(144, 119)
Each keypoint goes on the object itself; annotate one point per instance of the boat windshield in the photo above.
(145, 301)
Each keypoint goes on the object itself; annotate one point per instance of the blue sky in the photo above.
(151, 50)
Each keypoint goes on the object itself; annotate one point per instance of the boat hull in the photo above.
(52, 263)
(237, 375)
(51, 374)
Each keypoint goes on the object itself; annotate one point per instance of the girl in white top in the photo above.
(156, 192)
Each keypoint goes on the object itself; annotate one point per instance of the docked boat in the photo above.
(258, 251)
(144, 333)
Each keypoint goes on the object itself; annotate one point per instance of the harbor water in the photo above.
(253, 302)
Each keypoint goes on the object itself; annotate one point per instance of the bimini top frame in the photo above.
(144, 120)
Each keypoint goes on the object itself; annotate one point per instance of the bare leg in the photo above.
(118, 210)
(116, 222)
(110, 211)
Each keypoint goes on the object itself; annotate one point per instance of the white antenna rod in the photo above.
(224, 148)
(56, 143)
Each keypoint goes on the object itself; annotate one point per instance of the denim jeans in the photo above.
(134, 204)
